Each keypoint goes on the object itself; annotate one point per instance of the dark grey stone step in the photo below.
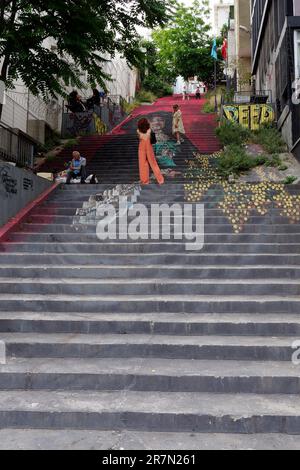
(49, 439)
(157, 375)
(151, 323)
(155, 411)
(238, 348)
(150, 247)
(138, 272)
(151, 287)
(209, 228)
(233, 259)
(146, 304)
(221, 238)
(69, 220)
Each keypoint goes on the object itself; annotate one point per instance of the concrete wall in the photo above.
(286, 131)
(18, 188)
(29, 113)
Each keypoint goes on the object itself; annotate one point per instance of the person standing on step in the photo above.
(178, 127)
(77, 168)
(185, 94)
(146, 154)
(198, 93)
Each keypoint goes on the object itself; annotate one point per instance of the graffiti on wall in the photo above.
(27, 184)
(88, 123)
(6, 179)
(100, 127)
(251, 116)
(79, 123)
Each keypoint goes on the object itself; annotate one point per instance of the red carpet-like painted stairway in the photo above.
(116, 153)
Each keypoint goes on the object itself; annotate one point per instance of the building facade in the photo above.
(31, 115)
(221, 11)
(276, 61)
(239, 46)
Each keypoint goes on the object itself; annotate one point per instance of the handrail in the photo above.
(236, 97)
(98, 120)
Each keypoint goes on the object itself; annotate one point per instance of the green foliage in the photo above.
(235, 161)
(228, 95)
(130, 107)
(83, 33)
(270, 139)
(274, 161)
(157, 85)
(208, 108)
(283, 168)
(290, 180)
(71, 143)
(152, 79)
(231, 133)
(146, 96)
(52, 140)
(184, 45)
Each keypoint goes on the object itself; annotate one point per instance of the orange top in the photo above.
(144, 136)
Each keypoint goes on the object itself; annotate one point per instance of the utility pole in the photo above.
(214, 55)
(216, 99)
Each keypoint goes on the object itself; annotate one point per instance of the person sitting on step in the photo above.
(77, 168)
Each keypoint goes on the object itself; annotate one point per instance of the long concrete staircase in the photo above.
(142, 344)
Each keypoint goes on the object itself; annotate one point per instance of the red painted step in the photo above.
(103, 153)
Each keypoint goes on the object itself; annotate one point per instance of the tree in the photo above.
(83, 33)
(185, 44)
(151, 78)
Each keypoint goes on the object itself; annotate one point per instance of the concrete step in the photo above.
(156, 411)
(155, 375)
(52, 209)
(151, 287)
(151, 323)
(218, 239)
(120, 271)
(154, 303)
(150, 247)
(209, 228)
(238, 348)
(176, 221)
(140, 259)
(49, 439)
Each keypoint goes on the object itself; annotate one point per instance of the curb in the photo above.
(23, 213)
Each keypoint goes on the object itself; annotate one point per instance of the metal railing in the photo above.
(16, 147)
(98, 120)
(247, 97)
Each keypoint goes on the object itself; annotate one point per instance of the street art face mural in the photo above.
(165, 148)
(251, 116)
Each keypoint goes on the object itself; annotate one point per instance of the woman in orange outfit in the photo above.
(146, 154)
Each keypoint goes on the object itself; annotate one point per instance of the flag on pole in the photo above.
(225, 49)
(214, 52)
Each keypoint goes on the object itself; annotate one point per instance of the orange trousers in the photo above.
(146, 160)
